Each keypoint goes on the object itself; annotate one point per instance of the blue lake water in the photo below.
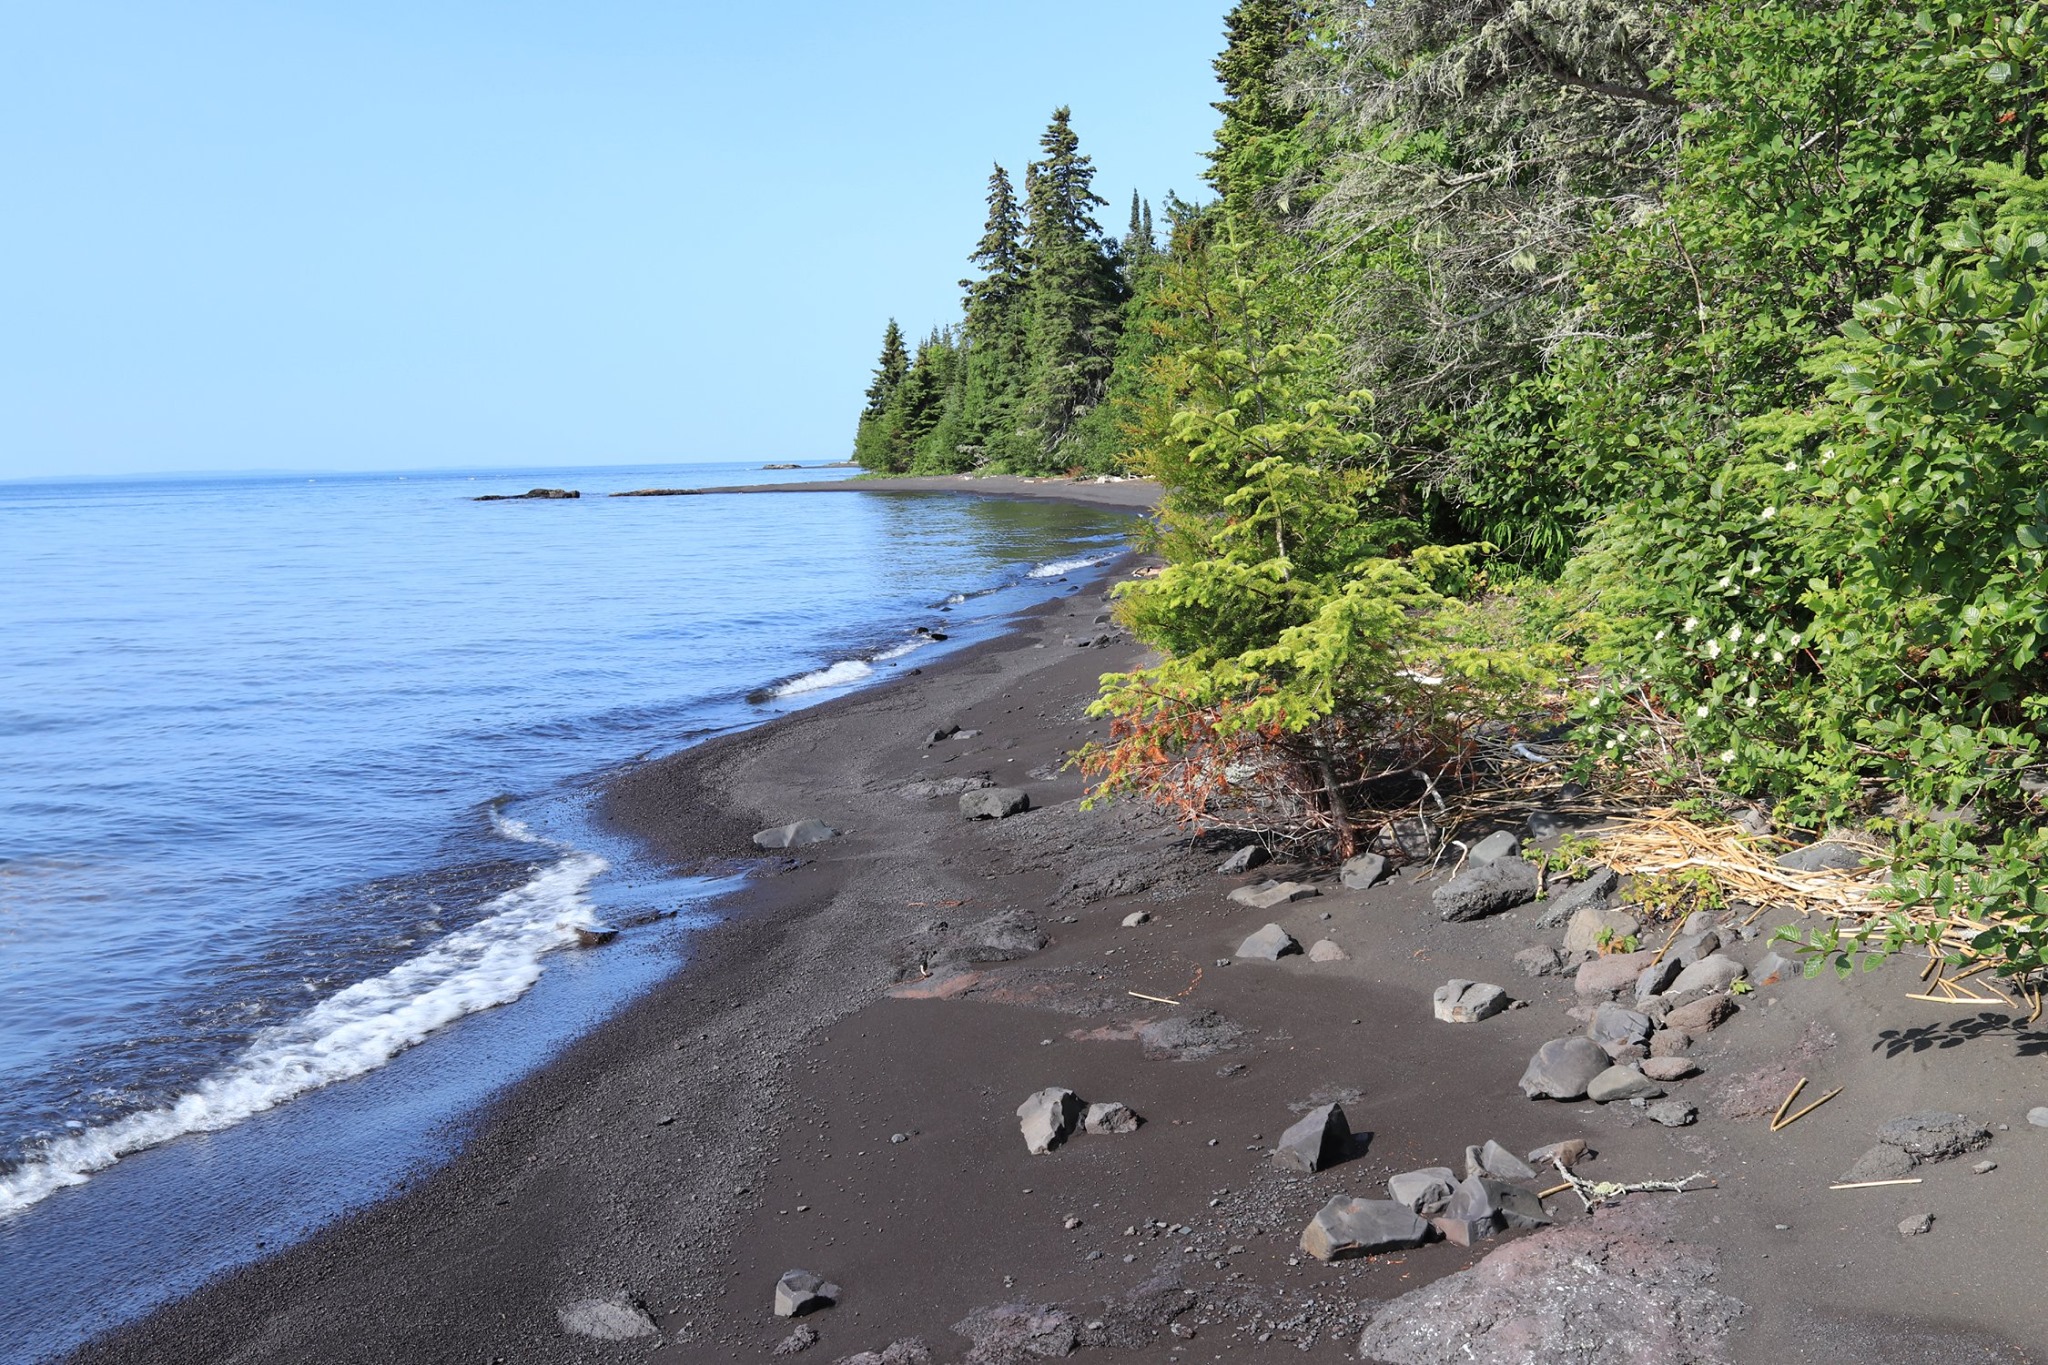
(296, 777)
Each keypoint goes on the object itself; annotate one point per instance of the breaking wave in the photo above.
(354, 1031)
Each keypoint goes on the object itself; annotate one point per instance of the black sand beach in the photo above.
(774, 1106)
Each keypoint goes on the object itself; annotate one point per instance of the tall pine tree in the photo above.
(1254, 160)
(997, 369)
(1076, 291)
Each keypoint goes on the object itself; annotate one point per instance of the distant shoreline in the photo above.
(1121, 493)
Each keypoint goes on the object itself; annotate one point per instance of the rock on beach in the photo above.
(1347, 1227)
(1319, 1139)
(1563, 1068)
(993, 803)
(1486, 890)
(795, 835)
(1048, 1118)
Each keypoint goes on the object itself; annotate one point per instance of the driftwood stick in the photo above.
(1160, 999)
(1873, 1184)
(1788, 1103)
(1787, 1123)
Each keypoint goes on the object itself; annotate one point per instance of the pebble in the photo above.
(2038, 1116)
(1984, 1168)
(1915, 1225)
(1072, 1223)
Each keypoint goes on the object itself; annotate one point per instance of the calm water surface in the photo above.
(296, 775)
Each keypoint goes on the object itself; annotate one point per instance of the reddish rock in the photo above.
(1701, 1016)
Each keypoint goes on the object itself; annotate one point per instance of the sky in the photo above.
(408, 234)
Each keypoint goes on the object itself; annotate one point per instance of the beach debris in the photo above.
(993, 803)
(1614, 1027)
(801, 1338)
(1716, 972)
(1594, 1193)
(1669, 1068)
(1048, 1118)
(1622, 1083)
(1593, 927)
(1269, 944)
(1793, 1118)
(1914, 1224)
(1268, 894)
(1362, 871)
(1109, 1116)
(1486, 890)
(1458, 1001)
(1569, 1152)
(1326, 950)
(623, 1318)
(1594, 891)
(1425, 1191)
(1611, 975)
(1539, 961)
(1933, 1135)
(1245, 859)
(796, 835)
(1321, 1138)
(1562, 1069)
(1874, 1184)
(2038, 1116)
(1136, 918)
(1155, 999)
(799, 1292)
(1497, 1163)
(1671, 1113)
(1347, 1227)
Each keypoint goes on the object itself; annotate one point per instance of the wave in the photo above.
(354, 1031)
(1067, 566)
(910, 646)
(837, 675)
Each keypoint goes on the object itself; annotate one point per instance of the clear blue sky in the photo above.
(389, 234)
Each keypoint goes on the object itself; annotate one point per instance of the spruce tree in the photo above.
(874, 439)
(1076, 292)
(889, 371)
(995, 374)
(1251, 154)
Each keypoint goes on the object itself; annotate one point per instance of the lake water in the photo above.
(296, 780)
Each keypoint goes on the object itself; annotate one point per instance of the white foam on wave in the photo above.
(838, 675)
(356, 1030)
(1067, 566)
(910, 646)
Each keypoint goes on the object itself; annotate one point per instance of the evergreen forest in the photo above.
(1659, 383)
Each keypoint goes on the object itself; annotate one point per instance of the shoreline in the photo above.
(1134, 495)
(740, 1119)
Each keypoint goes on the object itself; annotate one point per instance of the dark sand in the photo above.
(738, 1121)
